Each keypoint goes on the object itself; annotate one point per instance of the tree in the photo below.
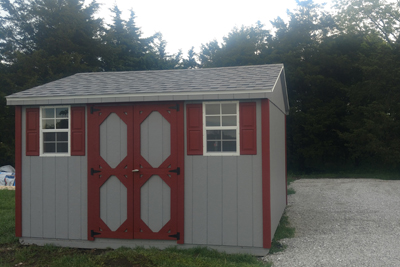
(49, 39)
(370, 17)
(41, 41)
(190, 62)
(124, 48)
(244, 46)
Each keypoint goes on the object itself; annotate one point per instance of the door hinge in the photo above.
(177, 171)
(93, 171)
(177, 236)
(93, 233)
(92, 109)
(175, 107)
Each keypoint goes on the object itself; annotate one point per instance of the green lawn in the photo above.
(14, 254)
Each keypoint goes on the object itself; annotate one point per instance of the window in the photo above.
(54, 130)
(221, 124)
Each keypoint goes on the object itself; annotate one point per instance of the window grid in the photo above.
(55, 131)
(221, 128)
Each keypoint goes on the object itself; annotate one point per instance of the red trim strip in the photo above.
(266, 175)
(18, 171)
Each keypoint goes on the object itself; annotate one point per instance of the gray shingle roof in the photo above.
(182, 84)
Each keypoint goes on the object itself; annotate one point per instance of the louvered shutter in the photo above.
(32, 132)
(248, 128)
(77, 131)
(194, 129)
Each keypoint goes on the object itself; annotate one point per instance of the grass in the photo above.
(14, 254)
(290, 190)
(284, 230)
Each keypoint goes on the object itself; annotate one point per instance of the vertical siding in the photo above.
(223, 198)
(277, 152)
(213, 173)
(229, 202)
(54, 195)
(198, 194)
(49, 194)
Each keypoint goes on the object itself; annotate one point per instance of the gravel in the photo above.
(342, 222)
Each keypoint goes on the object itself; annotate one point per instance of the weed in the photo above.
(284, 230)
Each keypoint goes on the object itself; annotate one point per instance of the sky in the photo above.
(186, 23)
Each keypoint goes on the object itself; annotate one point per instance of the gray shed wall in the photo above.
(278, 165)
(54, 195)
(223, 198)
(223, 194)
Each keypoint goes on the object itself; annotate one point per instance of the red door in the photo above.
(110, 163)
(135, 171)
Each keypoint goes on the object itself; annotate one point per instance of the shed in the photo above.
(193, 157)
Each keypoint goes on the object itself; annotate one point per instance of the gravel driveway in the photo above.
(343, 222)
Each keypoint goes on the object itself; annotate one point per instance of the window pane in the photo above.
(212, 121)
(212, 109)
(62, 124)
(48, 113)
(228, 108)
(62, 137)
(229, 146)
(62, 147)
(229, 121)
(48, 124)
(62, 112)
(49, 147)
(213, 146)
(213, 135)
(229, 134)
(49, 137)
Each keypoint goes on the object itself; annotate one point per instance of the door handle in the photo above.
(135, 170)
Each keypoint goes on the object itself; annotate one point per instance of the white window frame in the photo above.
(205, 128)
(67, 154)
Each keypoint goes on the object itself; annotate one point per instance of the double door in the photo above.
(135, 171)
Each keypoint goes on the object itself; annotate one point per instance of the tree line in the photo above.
(342, 69)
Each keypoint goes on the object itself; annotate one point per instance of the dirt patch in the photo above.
(7, 187)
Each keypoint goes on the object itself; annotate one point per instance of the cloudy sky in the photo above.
(185, 23)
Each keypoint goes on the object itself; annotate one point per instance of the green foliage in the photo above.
(341, 69)
(244, 46)
(370, 17)
(7, 217)
(284, 230)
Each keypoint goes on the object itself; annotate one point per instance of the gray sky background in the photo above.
(185, 23)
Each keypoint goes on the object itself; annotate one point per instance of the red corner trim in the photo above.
(194, 129)
(18, 171)
(266, 175)
(248, 128)
(32, 131)
(78, 131)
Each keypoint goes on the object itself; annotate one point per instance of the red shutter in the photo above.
(77, 131)
(248, 130)
(194, 129)
(32, 132)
